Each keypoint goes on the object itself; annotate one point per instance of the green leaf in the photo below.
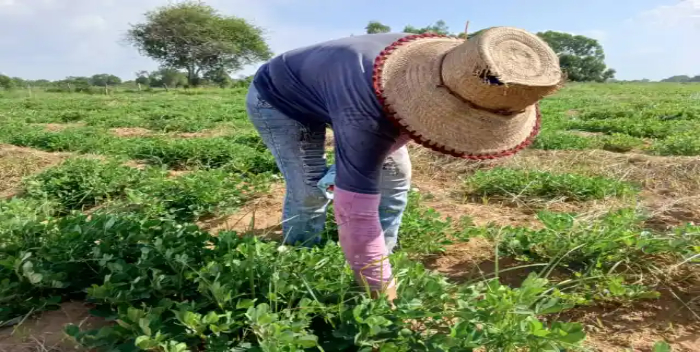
(72, 330)
(569, 332)
(662, 346)
(145, 343)
(245, 303)
(307, 341)
(145, 323)
(35, 278)
(211, 318)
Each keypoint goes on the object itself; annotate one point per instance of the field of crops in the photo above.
(148, 221)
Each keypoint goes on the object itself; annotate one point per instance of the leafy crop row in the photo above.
(168, 112)
(515, 183)
(171, 285)
(80, 184)
(243, 152)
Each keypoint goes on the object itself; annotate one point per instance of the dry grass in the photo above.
(143, 132)
(671, 185)
(17, 163)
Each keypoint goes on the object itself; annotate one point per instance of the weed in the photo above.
(423, 231)
(515, 183)
(195, 195)
(608, 250)
(80, 183)
(621, 143)
(561, 140)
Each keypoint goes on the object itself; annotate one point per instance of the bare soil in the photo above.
(54, 127)
(45, 333)
(262, 216)
(131, 132)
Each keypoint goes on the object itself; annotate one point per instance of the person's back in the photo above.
(307, 82)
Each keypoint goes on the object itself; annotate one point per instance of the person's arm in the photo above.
(361, 237)
(360, 154)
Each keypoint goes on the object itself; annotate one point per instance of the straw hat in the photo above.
(474, 99)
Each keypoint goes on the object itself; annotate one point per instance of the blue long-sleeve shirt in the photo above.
(331, 83)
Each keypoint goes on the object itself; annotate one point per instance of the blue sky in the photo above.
(57, 38)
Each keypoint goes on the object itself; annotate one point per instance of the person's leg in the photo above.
(394, 186)
(298, 150)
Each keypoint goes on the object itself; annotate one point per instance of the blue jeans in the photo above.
(299, 152)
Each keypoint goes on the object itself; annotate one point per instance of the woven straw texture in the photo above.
(474, 99)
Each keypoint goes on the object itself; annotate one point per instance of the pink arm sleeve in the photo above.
(361, 237)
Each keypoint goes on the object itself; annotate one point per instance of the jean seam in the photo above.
(306, 131)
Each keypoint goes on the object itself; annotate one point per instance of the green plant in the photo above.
(621, 143)
(81, 183)
(601, 254)
(517, 183)
(423, 231)
(195, 195)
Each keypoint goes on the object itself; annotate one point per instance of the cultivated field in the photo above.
(158, 213)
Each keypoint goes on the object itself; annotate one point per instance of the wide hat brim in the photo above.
(407, 82)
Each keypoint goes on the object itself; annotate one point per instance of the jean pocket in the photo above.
(262, 103)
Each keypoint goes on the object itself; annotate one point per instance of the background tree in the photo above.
(75, 82)
(6, 82)
(104, 79)
(219, 77)
(440, 27)
(18, 82)
(142, 78)
(377, 27)
(682, 78)
(194, 37)
(169, 77)
(580, 57)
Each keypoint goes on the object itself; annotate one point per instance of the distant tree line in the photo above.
(682, 79)
(196, 45)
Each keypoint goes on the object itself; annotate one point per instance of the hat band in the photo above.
(471, 104)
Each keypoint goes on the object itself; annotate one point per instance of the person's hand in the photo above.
(389, 291)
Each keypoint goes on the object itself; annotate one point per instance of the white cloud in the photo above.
(53, 39)
(685, 12)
